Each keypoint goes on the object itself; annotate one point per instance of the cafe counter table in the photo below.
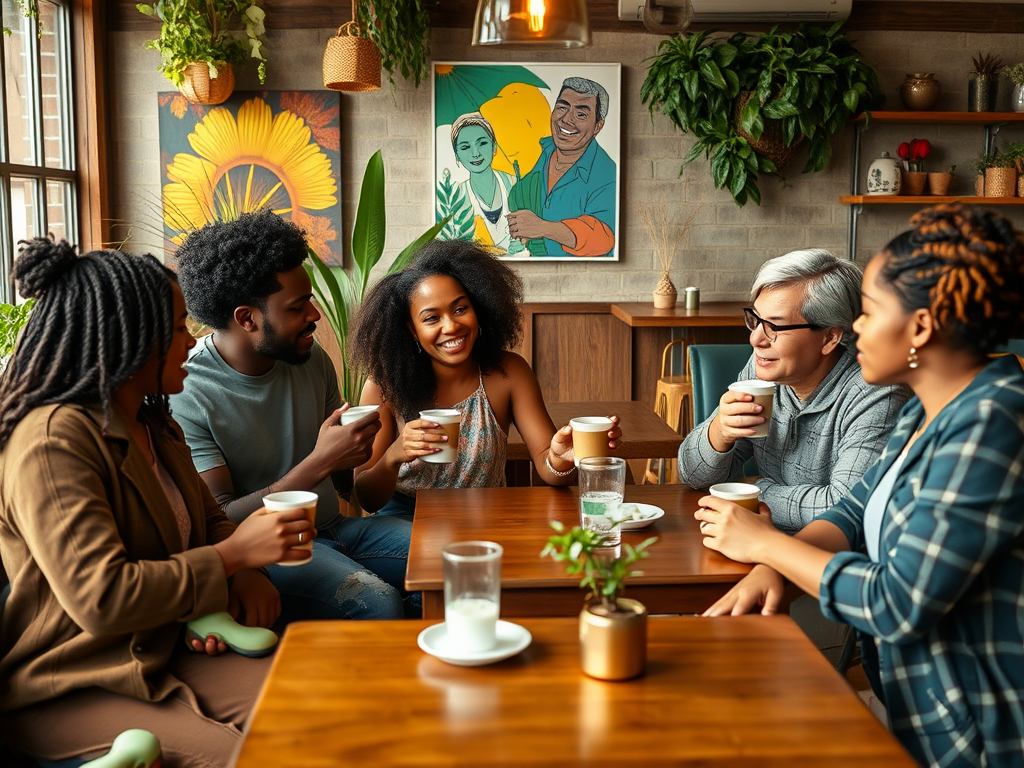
(680, 576)
(729, 691)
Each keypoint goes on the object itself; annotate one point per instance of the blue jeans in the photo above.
(400, 506)
(357, 572)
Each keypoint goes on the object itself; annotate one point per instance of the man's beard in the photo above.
(276, 347)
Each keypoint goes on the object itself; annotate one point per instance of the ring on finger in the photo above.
(300, 537)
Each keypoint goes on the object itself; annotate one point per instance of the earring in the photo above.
(912, 358)
(418, 347)
(480, 332)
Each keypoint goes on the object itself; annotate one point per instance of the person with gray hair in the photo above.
(827, 424)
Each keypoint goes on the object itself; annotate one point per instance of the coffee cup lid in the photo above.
(753, 387)
(591, 424)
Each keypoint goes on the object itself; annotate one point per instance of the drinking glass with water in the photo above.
(602, 484)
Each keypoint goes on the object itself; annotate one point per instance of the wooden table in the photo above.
(734, 691)
(680, 576)
(717, 314)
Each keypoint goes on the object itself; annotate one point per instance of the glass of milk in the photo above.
(602, 483)
(472, 594)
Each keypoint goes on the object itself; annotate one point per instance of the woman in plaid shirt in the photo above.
(925, 556)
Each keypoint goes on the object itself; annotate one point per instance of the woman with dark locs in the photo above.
(110, 539)
(925, 556)
(439, 334)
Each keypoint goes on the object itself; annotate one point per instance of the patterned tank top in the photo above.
(481, 462)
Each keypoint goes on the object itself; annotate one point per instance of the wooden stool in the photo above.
(673, 402)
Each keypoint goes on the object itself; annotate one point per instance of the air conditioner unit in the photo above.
(746, 11)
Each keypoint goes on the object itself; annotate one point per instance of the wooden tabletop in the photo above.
(731, 691)
(712, 313)
(644, 434)
(680, 576)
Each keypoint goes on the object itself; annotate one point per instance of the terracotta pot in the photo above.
(613, 643)
(913, 183)
(1000, 182)
(938, 183)
(665, 293)
(199, 88)
(920, 91)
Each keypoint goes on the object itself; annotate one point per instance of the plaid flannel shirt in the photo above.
(946, 598)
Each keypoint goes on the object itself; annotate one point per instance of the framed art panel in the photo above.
(526, 158)
(272, 149)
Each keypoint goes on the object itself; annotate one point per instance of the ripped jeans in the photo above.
(357, 572)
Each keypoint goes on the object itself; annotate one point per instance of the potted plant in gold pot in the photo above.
(613, 629)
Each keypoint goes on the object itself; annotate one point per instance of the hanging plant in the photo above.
(400, 29)
(750, 100)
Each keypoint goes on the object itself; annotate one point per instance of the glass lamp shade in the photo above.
(537, 23)
(667, 16)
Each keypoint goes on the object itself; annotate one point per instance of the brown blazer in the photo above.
(100, 585)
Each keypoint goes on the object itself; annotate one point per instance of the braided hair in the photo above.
(383, 347)
(966, 266)
(96, 320)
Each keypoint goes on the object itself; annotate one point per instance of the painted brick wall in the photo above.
(724, 245)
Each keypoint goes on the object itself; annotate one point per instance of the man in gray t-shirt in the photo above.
(261, 412)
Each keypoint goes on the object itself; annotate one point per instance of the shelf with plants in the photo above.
(928, 200)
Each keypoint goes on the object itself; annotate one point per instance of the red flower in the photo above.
(923, 148)
(904, 150)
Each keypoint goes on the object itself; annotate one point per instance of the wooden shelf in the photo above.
(927, 200)
(942, 118)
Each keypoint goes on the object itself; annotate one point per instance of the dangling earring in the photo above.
(480, 332)
(912, 358)
(418, 347)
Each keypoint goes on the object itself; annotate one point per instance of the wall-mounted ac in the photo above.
(740, 11)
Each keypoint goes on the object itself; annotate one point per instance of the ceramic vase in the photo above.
(1000, 182)
(913, 182)
(920, 92)
(938, 183)
(1017, 99)
(982, 91)
(665, 293)
(613, 643)
(883, 176)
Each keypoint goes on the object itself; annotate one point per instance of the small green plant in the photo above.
(603, 574)
(987, 65)
(995, 159)
(400, 29)
(12, 319)
(1015, 73)
(951, 170)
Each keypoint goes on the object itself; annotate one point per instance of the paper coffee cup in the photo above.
(743, 494)
(357, 412)
(763, 393)
(449, 419)
(285, 501)
(589, 436)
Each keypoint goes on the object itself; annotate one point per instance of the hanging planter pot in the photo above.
(772, 143)
(351, 61)
(200, 87)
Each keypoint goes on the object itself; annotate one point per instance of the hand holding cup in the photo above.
(592, 436)
(743, 411)
(731, 522)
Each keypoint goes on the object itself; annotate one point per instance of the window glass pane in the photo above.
(60, 209)
(24, 209)
(54, 76)
(19, 71)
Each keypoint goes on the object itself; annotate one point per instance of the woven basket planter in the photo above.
(351, 61)
(199, 88)
(1000, 182)
(771, 144)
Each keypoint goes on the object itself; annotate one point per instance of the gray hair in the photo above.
(831, 287)
(588, 88)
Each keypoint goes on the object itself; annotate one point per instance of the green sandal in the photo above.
(132, 749)
(247, 641)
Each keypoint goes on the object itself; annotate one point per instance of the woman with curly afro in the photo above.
(439, 334)
(925, 557)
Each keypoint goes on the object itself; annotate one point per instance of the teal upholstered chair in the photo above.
(713, 367)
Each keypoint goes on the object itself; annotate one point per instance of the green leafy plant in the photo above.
(1015, 73)
(206, 31)
(340, 292)
(12, 319)
(603, 574)
(732, 91)
(1015, 151)
(453, 204)
(400, 29)
(994, 159)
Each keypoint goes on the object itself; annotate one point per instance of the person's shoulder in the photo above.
(515, 365)
(57, 421)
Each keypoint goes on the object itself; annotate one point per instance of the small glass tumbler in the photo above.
(472, 594)
(602, 484)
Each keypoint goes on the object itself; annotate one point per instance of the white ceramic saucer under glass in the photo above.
(649, 512)
(512, 639)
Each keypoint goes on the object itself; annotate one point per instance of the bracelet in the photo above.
(552, 470)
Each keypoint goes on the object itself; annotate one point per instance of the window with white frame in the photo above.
(37, 146)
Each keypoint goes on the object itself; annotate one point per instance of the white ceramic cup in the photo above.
(743, 494)
(472, 595)
(450, 420)
(589, 436)
(356, 412)
(763, 393)
(285, 501)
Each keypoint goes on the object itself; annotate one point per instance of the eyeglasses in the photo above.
(771, 330)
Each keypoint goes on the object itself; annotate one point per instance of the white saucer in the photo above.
(512, 639)
(650, 514)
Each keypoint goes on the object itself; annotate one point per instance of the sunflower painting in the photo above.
(277, 150)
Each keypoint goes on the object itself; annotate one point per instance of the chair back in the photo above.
(713, 367)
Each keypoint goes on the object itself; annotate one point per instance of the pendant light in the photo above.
(536, 23)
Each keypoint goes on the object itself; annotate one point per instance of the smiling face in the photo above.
(574, 121)
(289, 320)
(884, 330)
(442, 320)
(474, 148)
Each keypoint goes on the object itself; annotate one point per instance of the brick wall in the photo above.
(724, 245)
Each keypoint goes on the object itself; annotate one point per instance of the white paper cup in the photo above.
(355, 413)
(590, 437)
(743, 494)
(450, 421)
(763, 393)
(285, 501)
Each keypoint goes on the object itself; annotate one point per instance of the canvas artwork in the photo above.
(276, 149)
(526, 158)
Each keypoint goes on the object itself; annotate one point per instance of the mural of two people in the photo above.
(525, 176)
